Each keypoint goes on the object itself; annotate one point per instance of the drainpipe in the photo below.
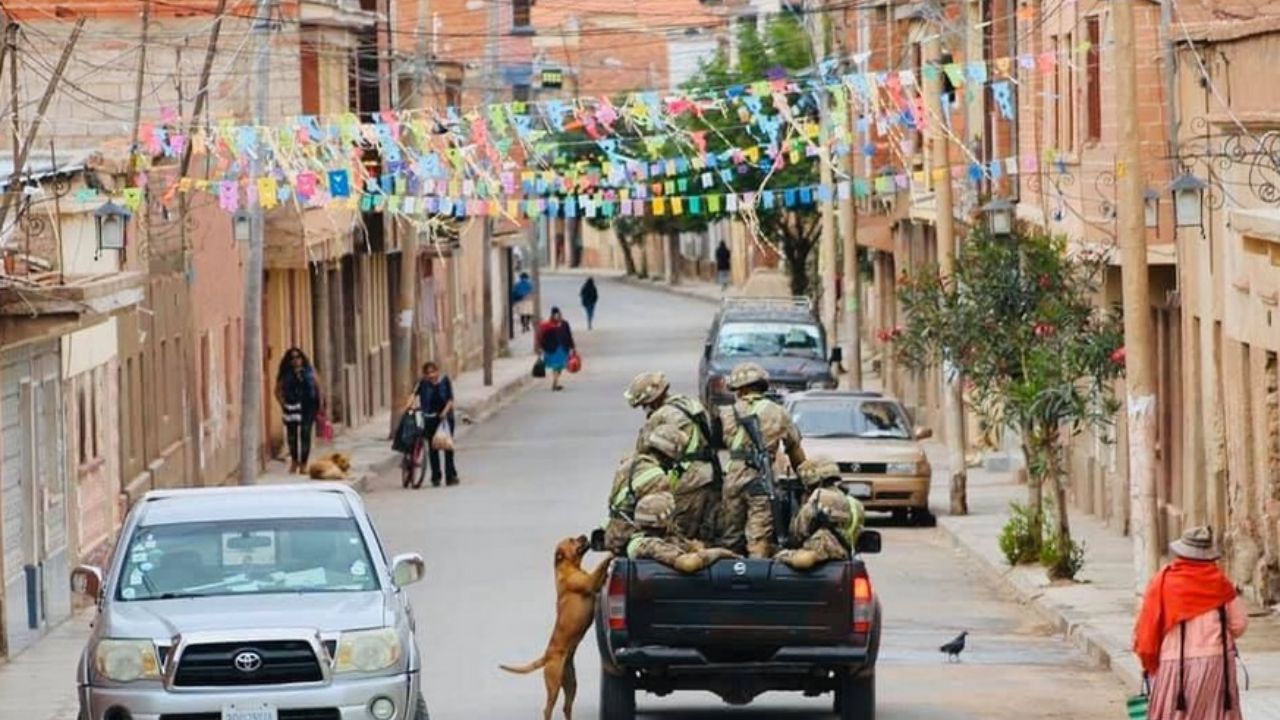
(1169, 50)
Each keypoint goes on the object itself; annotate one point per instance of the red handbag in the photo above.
(575, 361)
(324, 427)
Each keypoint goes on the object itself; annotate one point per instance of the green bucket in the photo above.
(1137, 707)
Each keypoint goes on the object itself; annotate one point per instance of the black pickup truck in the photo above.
(738, 629)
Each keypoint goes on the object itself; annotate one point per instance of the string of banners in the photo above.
(645, 153)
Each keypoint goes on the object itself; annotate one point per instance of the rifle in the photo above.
(760, 460)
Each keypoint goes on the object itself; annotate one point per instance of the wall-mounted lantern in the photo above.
(1151, 208)
(999, 214)
(112, 221)
(1188, 197)
(242, 226)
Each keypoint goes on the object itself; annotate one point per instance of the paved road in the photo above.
(539, 471)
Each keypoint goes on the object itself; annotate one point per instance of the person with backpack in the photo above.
(701, 474)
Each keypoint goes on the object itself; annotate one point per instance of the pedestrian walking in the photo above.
(301, 401)
(1186, 634)
(590, 296)
(723, 265)
(522, 301)
(555, 345)
(433, 396)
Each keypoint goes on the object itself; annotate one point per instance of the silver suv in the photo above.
(262, 603)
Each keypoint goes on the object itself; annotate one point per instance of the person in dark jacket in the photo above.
(590, 296)
(555, 344)
(723, 265)
(298, 393)
(433, 395)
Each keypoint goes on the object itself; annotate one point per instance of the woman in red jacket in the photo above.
(555, 345)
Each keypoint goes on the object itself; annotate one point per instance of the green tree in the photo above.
(1018, 319)
(784, 46)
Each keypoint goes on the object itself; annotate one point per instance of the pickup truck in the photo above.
(738, 629)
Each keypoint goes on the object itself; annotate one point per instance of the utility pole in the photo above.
(251, 369)
(849, 234)
(827, 240)
(1139, 353)
(490, 96)
(953, 397)
(407, 297)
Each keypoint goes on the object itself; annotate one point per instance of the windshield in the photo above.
(247, 557)
(770, 339)
(851, 418)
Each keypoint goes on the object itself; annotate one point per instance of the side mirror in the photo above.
(868, 543)
(597, 540)
(924, 433)
(706, 351)
(837, 355)
(407, 569)
(87, 580)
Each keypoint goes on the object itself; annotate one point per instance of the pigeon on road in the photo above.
(955, 647)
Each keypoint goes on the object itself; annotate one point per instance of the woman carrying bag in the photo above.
(433, 396)
(1186, 634)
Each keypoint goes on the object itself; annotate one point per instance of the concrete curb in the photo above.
(663, 287)
(1073, 625)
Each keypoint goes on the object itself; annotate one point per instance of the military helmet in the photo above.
(815, 470)
(646, 388)
(746, 374)
(835, 503)
(654, 511)
(667, 440)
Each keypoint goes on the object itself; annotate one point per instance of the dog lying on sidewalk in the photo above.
(576, 591)
(330, 467)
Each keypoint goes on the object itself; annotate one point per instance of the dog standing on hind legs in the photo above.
(576, 591)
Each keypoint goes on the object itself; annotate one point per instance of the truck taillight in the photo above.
(617, 602)
(863, 605)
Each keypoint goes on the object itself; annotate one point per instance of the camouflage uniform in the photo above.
(656, 538)
(829, 521)
(691, 483)
(638, 475)
(746, 514)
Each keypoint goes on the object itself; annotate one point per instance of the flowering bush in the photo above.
(1019, 321)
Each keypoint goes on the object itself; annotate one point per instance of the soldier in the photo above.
(746, 513)
(829, 520)
(656, 538)
(639, 474)
(702, 478)
(691, 483)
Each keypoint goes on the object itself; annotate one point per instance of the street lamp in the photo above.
(999, 214)
(242, 226)
(112, 222)
(1151, 208)
(1188, 192)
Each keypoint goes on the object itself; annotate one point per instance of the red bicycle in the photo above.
(413, 464)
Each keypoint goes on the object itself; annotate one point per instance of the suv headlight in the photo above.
(367, 650)
(919, 467)
(126, 660)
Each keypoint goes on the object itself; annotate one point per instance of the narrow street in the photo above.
(539, 471)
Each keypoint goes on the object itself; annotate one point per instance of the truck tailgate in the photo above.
(739, 602)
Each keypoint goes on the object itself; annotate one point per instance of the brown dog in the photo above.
(330, 467)
(575, 608)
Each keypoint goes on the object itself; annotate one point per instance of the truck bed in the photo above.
(740, 603)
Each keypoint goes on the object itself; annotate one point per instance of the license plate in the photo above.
(862, 491)
(249, 712)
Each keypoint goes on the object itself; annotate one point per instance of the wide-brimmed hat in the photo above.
(1196, 544)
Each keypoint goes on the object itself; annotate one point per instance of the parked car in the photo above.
(781, 334)
(875, 444)
(259, 603)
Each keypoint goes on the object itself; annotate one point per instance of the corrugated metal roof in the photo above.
(40, 166)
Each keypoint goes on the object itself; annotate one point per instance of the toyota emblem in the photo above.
(740, 568)
(247, 661)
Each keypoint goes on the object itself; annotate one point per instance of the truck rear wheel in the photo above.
(617, 696)
(856, 697)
